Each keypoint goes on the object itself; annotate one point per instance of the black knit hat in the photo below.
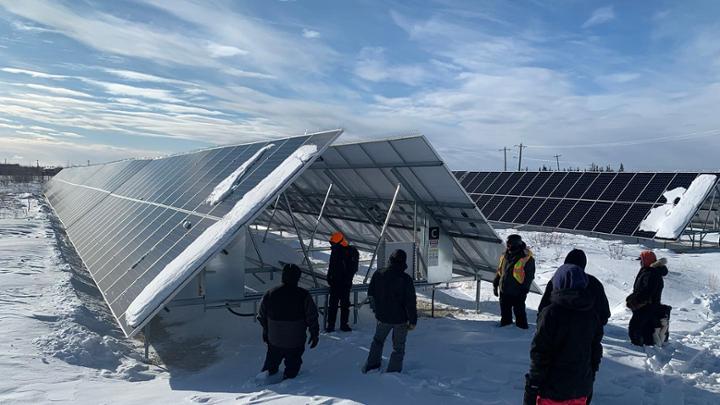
(576, 257)
(291, 274)
(515, 243)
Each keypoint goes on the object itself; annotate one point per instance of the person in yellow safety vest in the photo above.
(515, 274)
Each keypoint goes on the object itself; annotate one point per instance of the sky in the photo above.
(635, 82)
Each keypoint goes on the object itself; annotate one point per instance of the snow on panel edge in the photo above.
(669, 220)
(213, 238)
(229, 184)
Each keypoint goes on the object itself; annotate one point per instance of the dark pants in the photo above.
(399, 336)
(510, 304)
(293, 360)
(644, 321)
(339, 294)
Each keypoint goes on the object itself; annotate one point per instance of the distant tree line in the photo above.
(594, 167)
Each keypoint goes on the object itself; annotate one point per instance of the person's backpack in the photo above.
(353, 260)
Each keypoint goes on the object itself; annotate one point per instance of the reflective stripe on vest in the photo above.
(518, 269)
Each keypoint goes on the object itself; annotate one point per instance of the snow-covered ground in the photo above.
(59, 343)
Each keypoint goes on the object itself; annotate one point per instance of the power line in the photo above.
(671, 138)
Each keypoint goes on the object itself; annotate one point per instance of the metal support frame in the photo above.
(477, 296)
(300, 239)
(319, 217)
(432, 303)
(705, 231)
(146, 342)
(272, 216)
(382, 232)
(428, 212)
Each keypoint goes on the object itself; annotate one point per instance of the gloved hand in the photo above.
(313, 341)
(495, 291)
(411, 326)
(531, 392)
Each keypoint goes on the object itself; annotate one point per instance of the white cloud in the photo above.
(601, 15)
(224, 51)
(144, 77)
(58, 90)
(144, 92)
(373, 66)
(312, 34)
(32, 73)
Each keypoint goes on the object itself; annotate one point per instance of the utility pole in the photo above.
(504, 150)
(520, 147)
(88, 163)
(557, 159)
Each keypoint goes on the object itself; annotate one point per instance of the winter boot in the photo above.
(345, 328)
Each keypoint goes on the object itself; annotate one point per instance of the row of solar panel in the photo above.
(126, 238)
(609, 203)
(611, 187)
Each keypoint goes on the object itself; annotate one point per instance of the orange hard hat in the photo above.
(338, 237)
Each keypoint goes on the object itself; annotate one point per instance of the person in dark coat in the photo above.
(648, 311)
(341, 271)
(392, 296)
(515, 274)
(595, 289)
(286, 313)
(602, 307)
(566, 351)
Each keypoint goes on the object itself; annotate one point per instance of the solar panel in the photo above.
(127, 220)
(608, 203)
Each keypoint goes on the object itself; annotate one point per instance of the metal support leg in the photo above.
(477, 297)
(146, 342)
(272, 216)
(382, 232)
(327, 305)
(432, 303)
(355, 307)
(306, 253)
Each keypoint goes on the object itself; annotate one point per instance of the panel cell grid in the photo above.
(561, 211)
(582, 185)
(656, 187)
(612, 217)
(544, 211)
(635, 214)
(536, 184)
(599, 185)
(594, 214)
(576, 214)
(635, 187)
(616, 186)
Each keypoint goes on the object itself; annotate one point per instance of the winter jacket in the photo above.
(393, 296)
(645, 302)
(286, 312)
(566, 350)
(505, 278)
(595, 288)
(343, 265)
(649, 284)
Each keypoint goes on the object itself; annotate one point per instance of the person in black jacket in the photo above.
(342, 268)
(649, 323)
(602, 307)
(595, 289)
(392, 295)
(515, 274)
(286, 313)
(566, 351)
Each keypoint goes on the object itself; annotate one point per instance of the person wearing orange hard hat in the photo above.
(650, 320)
(343, 265)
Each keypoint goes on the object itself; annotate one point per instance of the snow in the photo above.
(229, 184)
(669, 220)
(59, 344)
(214, 238)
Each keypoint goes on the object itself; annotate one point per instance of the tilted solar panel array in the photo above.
(129, 219)
(607, 203)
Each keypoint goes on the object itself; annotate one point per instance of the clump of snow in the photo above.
(214, 238)
(230, 183)
(669, 220)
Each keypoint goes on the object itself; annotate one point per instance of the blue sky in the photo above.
(634, 82)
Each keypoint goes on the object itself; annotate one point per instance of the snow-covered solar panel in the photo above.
(130, 220)
(605, 203)
(364, 178)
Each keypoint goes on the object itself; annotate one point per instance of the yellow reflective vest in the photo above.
(518, 272)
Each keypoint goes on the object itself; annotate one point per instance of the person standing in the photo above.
(343, 265)
(595, 289)
(512, 282)
(392, 297)
(566, 351)
(286, 313)
(649, 322)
